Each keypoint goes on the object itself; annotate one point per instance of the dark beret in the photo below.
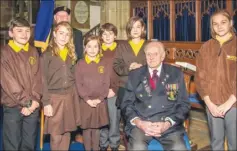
(62, 8)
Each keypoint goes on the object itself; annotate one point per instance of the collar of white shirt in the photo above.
(158, 69)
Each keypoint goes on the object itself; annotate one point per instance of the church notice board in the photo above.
(80, 16)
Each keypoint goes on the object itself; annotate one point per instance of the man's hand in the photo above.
(48, 110)
(25, 111)
(34, 106)
(163, 126)
(148, 128)
(111, 93)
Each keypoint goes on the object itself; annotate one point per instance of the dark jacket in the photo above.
(78, 42)
(154, 106)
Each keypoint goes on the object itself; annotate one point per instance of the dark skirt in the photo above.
(66, 113)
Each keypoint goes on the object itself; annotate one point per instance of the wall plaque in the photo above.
(80, 14)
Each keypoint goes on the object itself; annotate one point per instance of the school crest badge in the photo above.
(32, 60)
(233, 58)
(101, 69)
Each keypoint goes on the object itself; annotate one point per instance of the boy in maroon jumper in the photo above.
(21, 88)
(110, 136)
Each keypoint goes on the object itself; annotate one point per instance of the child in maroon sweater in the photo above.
(92, 80)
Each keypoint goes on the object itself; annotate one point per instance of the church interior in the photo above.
(182, 26)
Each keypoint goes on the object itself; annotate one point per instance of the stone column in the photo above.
(116, 12)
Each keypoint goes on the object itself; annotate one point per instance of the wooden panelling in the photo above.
(201, 7)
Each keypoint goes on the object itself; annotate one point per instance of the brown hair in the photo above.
(18, 22)
(69, 45)
(224, 13)
(90, 38)
(130, 24)
(108, 27)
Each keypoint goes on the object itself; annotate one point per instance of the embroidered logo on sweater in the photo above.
(32, 60)
(101, 69)
(233, 58)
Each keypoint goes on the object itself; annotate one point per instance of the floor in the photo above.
(199, 133)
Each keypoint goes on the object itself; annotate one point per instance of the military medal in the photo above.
(146, 86)
(172, 91)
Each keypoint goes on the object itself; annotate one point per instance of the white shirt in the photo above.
(158, 70)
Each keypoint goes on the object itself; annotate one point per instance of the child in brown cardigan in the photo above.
(60, 99)
(216, 80)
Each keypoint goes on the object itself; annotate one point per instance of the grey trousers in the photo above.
(110, 136)
(221, 128)
(173, 141)
(19, 132)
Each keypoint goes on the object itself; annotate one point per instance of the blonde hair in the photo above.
(70, 45)
(90, 38)
(224, 13)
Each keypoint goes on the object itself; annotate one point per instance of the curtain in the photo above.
(142, 13)
(161, 27)
(185, 27)
(208, 8)
(206, 31)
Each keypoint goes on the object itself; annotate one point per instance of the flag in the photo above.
(44, 24)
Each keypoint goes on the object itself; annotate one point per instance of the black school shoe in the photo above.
(114, 149)
(103, 148)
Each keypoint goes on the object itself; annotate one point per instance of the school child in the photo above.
(21, 88)
(92, 80)
(130, 54)
(216, 80)
(110, 135)
(60, 98)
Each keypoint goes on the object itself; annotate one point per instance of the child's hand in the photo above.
(48, 110)
(134, 65)
(92, 103)
(25, 111)
(111, 93)
(34, 106)
(98, 101)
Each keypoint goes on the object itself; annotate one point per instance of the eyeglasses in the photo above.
(152, 54)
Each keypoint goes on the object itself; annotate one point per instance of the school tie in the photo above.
(154, 79)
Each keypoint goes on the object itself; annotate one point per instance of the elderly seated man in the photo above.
(155, 103)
